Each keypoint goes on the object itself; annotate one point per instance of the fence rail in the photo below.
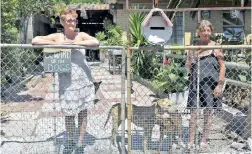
(59, 46)
(131, 48)
(194, 47)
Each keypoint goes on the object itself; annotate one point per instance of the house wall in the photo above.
(121, 17)
(216, 17)
(248, 27)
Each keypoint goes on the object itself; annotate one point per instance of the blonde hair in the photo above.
(205, 23)
(66, 12)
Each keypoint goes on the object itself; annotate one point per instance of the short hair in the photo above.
(205, 23)
(66, 12)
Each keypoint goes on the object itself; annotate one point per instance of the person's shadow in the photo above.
(62, 140)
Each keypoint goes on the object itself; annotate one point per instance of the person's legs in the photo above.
(70, 127)
(82, 124)
(207, 125)
(192, 126)
(208, 102)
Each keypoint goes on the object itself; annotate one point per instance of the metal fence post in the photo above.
(129, 105)
(198, 99)
(54, 110)
(123, 100)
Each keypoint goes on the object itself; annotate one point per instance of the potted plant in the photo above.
(112, 36)
(170, 80)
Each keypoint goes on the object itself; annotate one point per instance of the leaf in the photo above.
(242, 78)
(230, 31)
(173, 77)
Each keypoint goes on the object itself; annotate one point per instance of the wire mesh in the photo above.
(42, 113)
(179, 104)
(56, 100)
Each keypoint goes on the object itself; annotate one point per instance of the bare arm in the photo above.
(188, 61)
(146, 21)
(220, 57)
(49, 39)
(166, 19)
(87, 40)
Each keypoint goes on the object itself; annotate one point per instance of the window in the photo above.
(233, 25)
(178, 30)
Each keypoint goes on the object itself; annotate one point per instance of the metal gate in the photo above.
(38, 117)
(49, 105)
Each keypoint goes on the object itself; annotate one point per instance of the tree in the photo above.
(14, 14)
(9, 17)
(77, 1)
(87, 1)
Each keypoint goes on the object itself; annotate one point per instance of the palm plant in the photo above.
(135, 19)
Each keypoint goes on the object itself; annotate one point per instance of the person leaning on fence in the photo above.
(211, 80)
(76, 89)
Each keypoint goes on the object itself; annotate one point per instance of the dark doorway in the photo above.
(93, 23)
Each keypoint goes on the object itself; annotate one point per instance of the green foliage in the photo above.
(239, 75)
(77, 1)
(144, 64)
(178, 52)
(171, 79)
(101, 36)
(112, 36)
(87, 1)
(57, 8)
(14, 13)
(136, 19)
(220, 39)
(9, 12)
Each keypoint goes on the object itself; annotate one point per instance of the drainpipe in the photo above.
(242, 3)
(199, 16)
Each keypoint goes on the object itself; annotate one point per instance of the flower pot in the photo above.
(180, 98)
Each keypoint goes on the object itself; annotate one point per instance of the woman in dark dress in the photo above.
(210, 78)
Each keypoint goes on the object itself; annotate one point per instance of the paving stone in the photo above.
(20, 124)
(45, 127)
(48, 107)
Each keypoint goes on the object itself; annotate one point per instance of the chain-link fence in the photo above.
(57, 99)
(61, 102)
(189, 101)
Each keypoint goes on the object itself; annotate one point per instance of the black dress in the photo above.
(208, 80)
